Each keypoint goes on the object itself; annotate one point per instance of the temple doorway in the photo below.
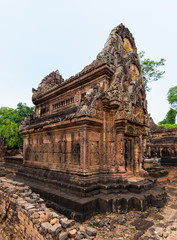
(128, 154)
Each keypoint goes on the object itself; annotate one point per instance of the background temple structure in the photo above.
(162, 143)
(87, 137)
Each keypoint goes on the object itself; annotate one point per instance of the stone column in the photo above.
(105, 138)
(25, 144)
(120, 152)
(136, 156)
(114, 166)
(140, 151)
(161, 151)
(149, 151)
(83, 148)
(142, 148)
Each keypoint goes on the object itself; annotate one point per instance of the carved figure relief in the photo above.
(127, 45)
(134, 71)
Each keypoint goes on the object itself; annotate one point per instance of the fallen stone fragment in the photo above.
(141, 224)
(35, 220)
(91, 231)
(20, 184)
(166, 234)
(34, 195)
(78, 237)
(55, 215)
(29, 206)
(54, 229)
(32, 210)
(24, 204)
(81, 228)
(15, 196)
(173, 228)
(11, 191)
(65, 222)
(35, 215)
(46, 218)
(63, 236)
(157, 216)
(44, 227)
(23, 189)
(32, 200)
(25, 194)
(53, 221)
(138, 235)
(72, 233)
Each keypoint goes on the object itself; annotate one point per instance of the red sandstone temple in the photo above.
(88, 133)
(95, 121)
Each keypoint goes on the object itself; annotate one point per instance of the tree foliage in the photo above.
(150, 69)
(9, 123)
(170, 117)
(169, 121)
(168, 126)
(172, 97)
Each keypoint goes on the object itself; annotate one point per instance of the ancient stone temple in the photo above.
(88, 135)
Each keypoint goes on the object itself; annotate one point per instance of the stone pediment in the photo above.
(123, 85)
(51, 81)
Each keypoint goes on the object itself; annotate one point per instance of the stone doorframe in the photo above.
(129, 153)
(133, 154)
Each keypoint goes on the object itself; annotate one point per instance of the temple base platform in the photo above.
(88, 195)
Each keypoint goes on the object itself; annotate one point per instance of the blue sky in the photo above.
(39, 36)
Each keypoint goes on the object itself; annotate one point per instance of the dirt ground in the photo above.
(153, 224)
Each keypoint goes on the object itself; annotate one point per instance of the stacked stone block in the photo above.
(24, 215)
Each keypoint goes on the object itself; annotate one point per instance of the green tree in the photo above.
(169, 121)
(172, 97)
(9, 123)
(170, 117)
(167, 125)
(150, 69)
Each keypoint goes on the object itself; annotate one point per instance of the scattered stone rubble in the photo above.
(152, 224)
(24, 215)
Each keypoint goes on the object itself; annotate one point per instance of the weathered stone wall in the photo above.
(24, 215)
(63, 149)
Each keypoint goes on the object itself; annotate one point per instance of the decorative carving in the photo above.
(51, 81)
(134, 71)
(127, 45)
